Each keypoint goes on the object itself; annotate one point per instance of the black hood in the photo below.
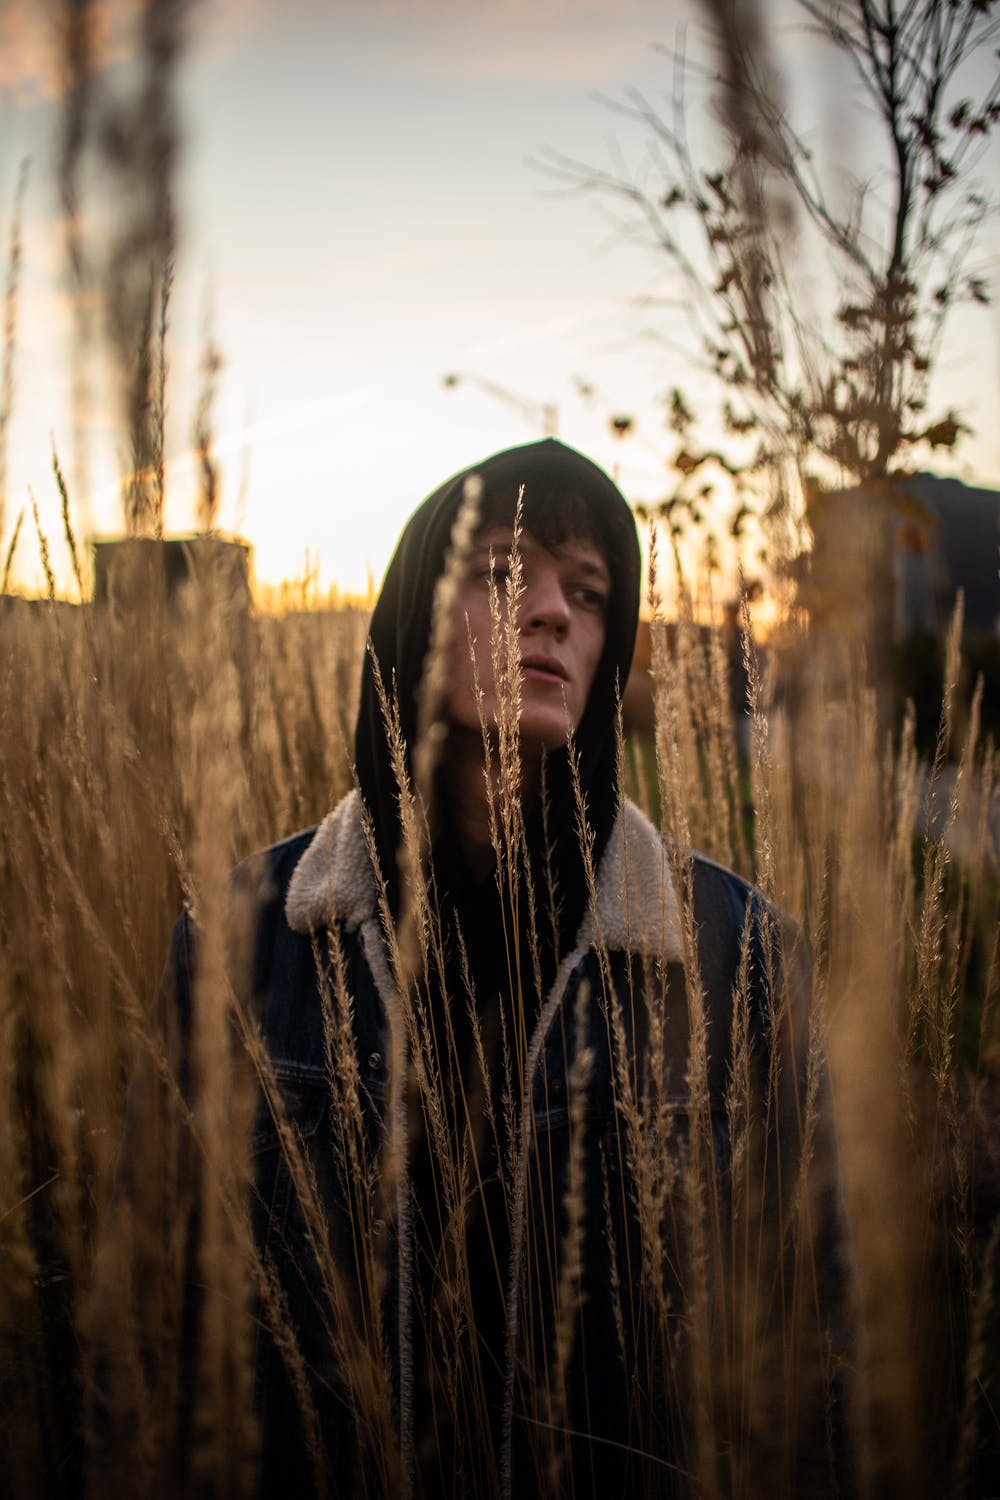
(400, 635)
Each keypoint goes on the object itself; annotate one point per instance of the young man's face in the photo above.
(560, 624)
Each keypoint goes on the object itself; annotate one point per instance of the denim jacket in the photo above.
(681, 975)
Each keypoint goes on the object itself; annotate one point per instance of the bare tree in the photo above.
(818, 403)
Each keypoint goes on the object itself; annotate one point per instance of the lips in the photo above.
(542, 667)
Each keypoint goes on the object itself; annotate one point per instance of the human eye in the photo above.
(591, 596)
(487, 567)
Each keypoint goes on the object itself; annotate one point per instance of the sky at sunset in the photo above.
(359, 217)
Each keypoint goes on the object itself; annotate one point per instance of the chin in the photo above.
(543, 732)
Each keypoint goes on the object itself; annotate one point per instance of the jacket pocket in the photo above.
(303, 1098)
(286, 1131)
(312, 1152)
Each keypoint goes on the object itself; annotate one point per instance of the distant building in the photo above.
(945, 536)
(954, 545)
(126, 568)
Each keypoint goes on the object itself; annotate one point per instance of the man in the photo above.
(540, 1201)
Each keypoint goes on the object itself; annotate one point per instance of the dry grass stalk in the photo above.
(7, 382)
(139, 760)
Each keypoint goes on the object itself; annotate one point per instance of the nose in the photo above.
(544, 606)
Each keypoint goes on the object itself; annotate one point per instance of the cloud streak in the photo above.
(530, 335)
(533, 41)
(31, 65)
(235, 439)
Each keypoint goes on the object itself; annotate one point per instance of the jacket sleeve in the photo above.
(777, 1283)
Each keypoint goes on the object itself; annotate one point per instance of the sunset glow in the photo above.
(359, 218)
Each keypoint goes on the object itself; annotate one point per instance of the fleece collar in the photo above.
(636, 910)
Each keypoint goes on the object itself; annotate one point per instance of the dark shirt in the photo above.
(477, 1024)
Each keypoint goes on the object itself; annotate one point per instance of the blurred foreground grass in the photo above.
(142, 754)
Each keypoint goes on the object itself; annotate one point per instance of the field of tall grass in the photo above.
(144, 751)
(146, 748)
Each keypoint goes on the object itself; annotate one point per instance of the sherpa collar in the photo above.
(636, 910)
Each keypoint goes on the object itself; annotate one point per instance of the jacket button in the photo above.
(375, 1061)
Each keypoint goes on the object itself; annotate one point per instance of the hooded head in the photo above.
(565, 498)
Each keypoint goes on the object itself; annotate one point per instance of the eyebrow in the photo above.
(594, 568)
(492, 541)
(589, 562)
